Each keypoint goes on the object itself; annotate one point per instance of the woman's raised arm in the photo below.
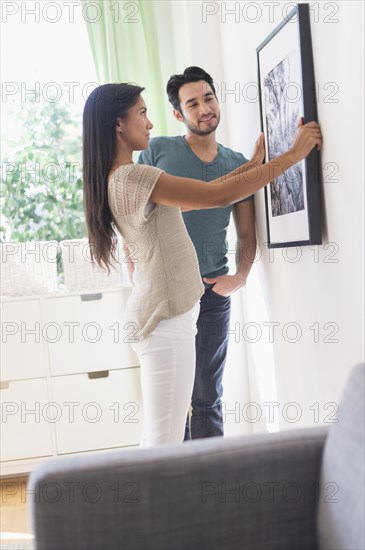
(194, 194)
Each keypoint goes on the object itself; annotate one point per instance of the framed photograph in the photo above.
(287, 92)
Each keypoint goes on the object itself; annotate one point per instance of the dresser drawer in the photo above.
(26, 419)
(99, 410)
(22, 344)
(85, 332)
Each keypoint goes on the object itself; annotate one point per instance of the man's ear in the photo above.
(178, 115)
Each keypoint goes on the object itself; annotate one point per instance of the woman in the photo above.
(144, 204)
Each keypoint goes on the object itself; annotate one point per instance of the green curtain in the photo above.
(133, 41)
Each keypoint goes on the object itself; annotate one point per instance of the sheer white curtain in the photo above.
(136, 42)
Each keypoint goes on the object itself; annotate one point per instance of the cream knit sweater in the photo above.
(168, 280)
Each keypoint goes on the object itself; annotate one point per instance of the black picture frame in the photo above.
(292, 201)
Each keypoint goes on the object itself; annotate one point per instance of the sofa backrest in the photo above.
(341, 496)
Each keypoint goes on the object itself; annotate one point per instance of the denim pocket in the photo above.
(219, 295)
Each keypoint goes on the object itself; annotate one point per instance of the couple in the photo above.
(178, 324)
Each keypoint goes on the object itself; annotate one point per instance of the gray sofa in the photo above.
(301, 489)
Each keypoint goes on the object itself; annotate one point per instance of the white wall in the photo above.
(326, 284)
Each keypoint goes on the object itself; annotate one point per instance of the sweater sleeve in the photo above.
(131, 191)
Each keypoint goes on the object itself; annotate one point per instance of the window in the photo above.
(47, 73)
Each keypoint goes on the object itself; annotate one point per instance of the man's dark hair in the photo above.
(191, 74)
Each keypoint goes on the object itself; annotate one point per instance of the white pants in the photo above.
(167, 360)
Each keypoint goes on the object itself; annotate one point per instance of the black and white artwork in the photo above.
(287, 93)
(282, 115)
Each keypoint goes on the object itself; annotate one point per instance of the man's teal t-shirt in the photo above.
(207, 227)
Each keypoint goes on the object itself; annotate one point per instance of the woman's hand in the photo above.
(308, 136)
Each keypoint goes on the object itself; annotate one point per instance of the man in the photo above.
(198, 155)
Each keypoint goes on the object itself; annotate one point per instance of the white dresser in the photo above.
(69, 377)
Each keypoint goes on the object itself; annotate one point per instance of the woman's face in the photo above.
(134, 130)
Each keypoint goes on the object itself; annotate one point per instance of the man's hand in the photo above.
(258, 155)
(225, 285)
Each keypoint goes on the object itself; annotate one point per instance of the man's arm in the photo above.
(244, 219)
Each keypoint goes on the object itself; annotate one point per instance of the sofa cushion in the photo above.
(341, 502)
(254, 492)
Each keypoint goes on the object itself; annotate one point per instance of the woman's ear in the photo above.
(119, 125)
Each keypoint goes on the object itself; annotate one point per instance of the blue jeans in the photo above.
(211, 343)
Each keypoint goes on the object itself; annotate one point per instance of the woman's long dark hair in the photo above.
(103, 106)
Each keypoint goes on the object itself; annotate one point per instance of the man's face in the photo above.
(200, 108)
